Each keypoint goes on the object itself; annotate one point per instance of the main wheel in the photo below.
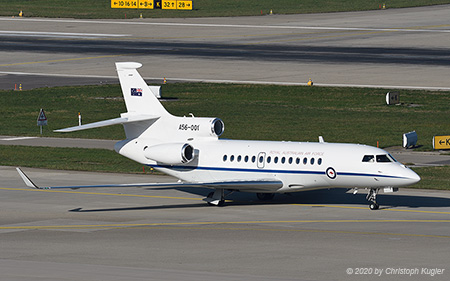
(265, 196)
(374, 206)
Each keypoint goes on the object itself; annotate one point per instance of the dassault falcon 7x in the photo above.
(189, 149)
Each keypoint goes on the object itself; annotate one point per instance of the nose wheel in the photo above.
(372, 196)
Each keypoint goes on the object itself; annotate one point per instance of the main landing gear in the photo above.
(265, 196)
(216, 198)
(372, 196)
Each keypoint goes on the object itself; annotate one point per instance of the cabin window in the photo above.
(283, 160)
(383, 158)
(297, 160)
(231, 158)
(312, 161)
(269, 159)
(275, 160)
(246, 158)
(319, 161)
(368, 158)
(305, 161)
(253, 159)
(239, 158)
(225, 158)
(261, 159)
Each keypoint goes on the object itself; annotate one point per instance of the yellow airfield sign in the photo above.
(185, 5)
(146, 4)
(124, 4)
(441, 142)
(153, 4)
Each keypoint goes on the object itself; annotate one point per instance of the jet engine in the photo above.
(194, 127)
(170, 153)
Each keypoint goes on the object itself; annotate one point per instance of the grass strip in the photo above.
(78, 159)
(259, 112)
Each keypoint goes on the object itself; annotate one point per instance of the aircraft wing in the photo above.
(260, 184)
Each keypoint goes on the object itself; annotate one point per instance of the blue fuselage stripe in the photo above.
(267, 171)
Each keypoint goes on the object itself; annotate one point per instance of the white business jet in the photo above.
(189, 149)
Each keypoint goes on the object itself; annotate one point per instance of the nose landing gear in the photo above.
(372, 196)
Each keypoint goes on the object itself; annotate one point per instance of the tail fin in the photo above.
(138, 96)
(142, 105)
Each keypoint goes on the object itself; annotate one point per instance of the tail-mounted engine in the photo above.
(170, 153)
(200, 127)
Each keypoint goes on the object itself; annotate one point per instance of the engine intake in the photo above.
(170, 153)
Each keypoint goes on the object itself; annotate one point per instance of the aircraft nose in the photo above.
(412, 176)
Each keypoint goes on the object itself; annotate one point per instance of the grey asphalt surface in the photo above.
(406, 48)
(171, 234)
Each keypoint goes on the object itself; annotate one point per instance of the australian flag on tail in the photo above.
(137, 92)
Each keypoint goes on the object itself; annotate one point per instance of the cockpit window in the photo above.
(368, 158)
(383, 158)
(392, 158)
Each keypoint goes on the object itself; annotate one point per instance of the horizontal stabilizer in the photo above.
(265, 184)
(115, 121)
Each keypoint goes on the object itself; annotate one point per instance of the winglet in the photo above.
(26, 179)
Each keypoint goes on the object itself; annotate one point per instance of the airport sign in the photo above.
(185, 5)
(153, 4)
(124, 4)
(42, 119)
(441, 142)
(146, 4)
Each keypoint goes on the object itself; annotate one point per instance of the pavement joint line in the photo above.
(191, 225)
(432, 88)
(60, 60)
(217, 223)
(202, 25)
(381, 209)
(229, 201)
(18, 138)
(64, 34)
(100, 193)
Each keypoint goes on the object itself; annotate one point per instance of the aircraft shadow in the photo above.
(324, 197)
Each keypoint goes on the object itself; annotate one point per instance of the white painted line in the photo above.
(18, 138)
(242, 81)
(202, 25)
(58, 34)
(59, 75)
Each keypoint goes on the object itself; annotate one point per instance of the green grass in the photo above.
(249, 111)
(202, 8)
(258, 112)
(433, 177)
(78, 159)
